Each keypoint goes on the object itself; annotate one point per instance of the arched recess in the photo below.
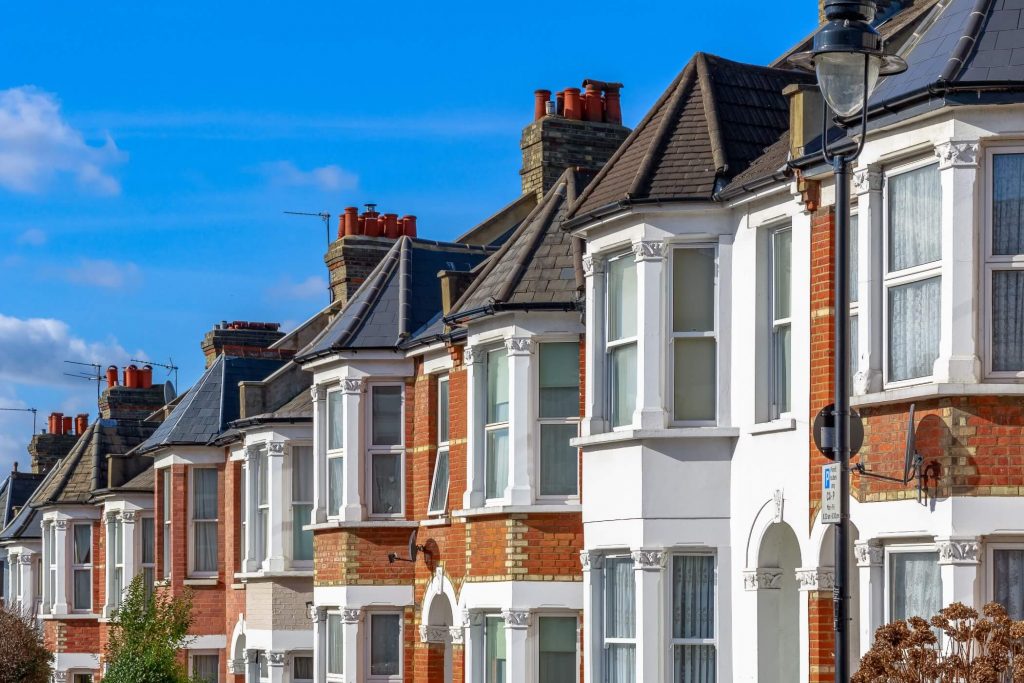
(825, 538)
(236, 663)
(772, 512)
(442, 622)
(778, 606)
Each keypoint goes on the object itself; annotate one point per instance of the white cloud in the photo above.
(326, 178)
(310, 288)
(37, 146)
(33, 237)
(103, 273)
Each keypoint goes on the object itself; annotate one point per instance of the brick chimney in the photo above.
(61, 435)
(135, 398)
(363, 240)
(242, 339)
(579, 128)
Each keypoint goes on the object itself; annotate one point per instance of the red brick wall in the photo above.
(78, 635)
(822, 335)
(822, 637)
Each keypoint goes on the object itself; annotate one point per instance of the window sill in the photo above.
(516, 510)
(785, 424)
(670, 433)
(370, 523)
(201, 581)
(932, 390)
(444, 520)
(288, 573)
(69, 617)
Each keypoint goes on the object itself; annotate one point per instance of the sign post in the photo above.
(830, 513)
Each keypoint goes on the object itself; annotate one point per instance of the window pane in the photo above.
(82, 581)
(782, 268)
(621, 297)
(335, 648)
(913, 329)
(118, 587)
(118, 542)
(205, 551)
(693, 290)
(302, 668)
(335, 421)
(915, 224)
(496, 462)
(205, 668)
(167, 494)
(916, 586)
(443, 394)
(782, 340)
(620, 662)
(385, 644)
(497, 387)
(204, 496)
(1008, 576)
(439, 486)
(83, 544)
(1008, 320)
(622, 384)
(261, 544)
(494, 649)
(1008, 204)
(302, 540)
(148, 545)
(148, 578)
(386, 419)
(854, 345)
(695, 374)
(262, 463)
(558, 460)
(560, 379)
(335, 484)
(557, 649)
(619, 598)
(854, 257)
(387, 483)
(694, 664)
(693, 596)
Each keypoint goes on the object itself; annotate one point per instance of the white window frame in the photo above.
(482, 661)
(71, 675)
(902, 548)
(334, 453)
(373, 449)
(536, 648)
(397, 678)
(990, 578)
(570, 497)
(192, 522)
(296, 526)
(143, 566)
(603, 626)
(673, 641)
(261, 546)
(775, 324)
(991, 263)
(335, 676)
(488, 427)
(854, 304)
(167, 492)
(49, 550)
(611, 345)
(919, 273)
(443, 446)
(673, 336)
(114, 600)
(76, 567)
(291, 665)
(203, 653)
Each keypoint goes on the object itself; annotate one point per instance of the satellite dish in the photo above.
(414, 550)
(910, 454)
(169, 392)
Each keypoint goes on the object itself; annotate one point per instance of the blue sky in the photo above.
(148, 150)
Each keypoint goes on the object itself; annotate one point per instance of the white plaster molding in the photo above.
(516, 618)
(592, 265)
(762, 578)
(957, 154)
(457, 634)
(352, 385)
(868, 554)
(317, 392)
(249, 452)
(820, 579)
(276, 448)
(351, 615)
(25, 559)
(648, 560)
(519, 346)
(957, 550)
(868, 179)
(780, 501)
(471, 618)
(317, 614)
(236, 666)
(471, 355)
(648, 251)
(591, 560)
(275, 658)
(60, 524)
(60, 676)
(435, 634)
(128, 516)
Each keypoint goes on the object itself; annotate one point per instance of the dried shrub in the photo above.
(23, 657)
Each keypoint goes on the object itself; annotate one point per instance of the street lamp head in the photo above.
(848, 56)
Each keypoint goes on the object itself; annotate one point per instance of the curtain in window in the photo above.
(915, 218)
(118, 588)
(1008, 320)
(335, 644)
(695, 377)
(622, 301)
(558, 459)
(693, 293)
(335, 484)
(560, 379)
(497, 387)
(854, 258)
(622, 371)
(914, 326)
(620, 619)
(302, 497)
(335, 421)
(557, 650)
(496, 465)
(854, 344)
(385, 644)
(1008, 574)
(439, 487)
(261, 540)
(693, 617)
(302, 668)
(204, 507)
(494, 650)
(83, 543)
(206, 668)
(386, 419)
(82, 589)
(782, 270)
(1008, 204)
(387, 481)
(694, 664)
(916, 585)
(148, 544)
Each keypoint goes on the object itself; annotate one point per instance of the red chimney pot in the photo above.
(409, 223)
(560, 103)
(372, 227)
(131, 377)
(111, 377)
(540, 103)
(351, 221)
(65, 427)
(573, 107)
(81, 423)
(593, 106)
(146, 377)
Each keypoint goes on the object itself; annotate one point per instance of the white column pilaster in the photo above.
(353, 508)
(473, 623)
(275, 561)
(319, 615)
(872, 590)
(26, 585)
(518, 661)
(650, 410)
(594, 418)
(109, 523)
(520, 425)
(131, 567)
(958, 566)
(320, 497)
(958, 360)
(249, 469)
(472, 359)
(275, 667)
(649, 568)
(354, 669)
(62, 551)
(252, 666)
(592, 563)
(867, 184)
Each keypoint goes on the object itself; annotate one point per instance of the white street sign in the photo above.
(830, 493)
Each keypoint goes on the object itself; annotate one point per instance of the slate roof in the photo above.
(298, 409)
(715, 118)
(146, 481)
(399, 297)
(15, 491)
(211, 404)
(536, 267)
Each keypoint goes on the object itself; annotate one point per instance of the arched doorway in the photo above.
(440, 628)
(778, 608)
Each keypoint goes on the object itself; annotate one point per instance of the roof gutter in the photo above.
(498, 307)
(624, 205)
(732, 191)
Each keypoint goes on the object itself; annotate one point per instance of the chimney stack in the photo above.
(242, 339)
(62, 432)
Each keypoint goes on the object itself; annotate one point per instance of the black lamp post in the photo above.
(848, 57)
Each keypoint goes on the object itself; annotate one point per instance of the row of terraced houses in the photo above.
(574, 443)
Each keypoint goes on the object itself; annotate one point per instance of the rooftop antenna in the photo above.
(96, 375)
(169, 366)
(25, 410)
(323, 215)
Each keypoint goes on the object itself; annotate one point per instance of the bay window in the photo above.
(781, 321)
(559, 410)
(496, 424)
(204, 521)
(438, 503)
(621, 338)
(693, 618)
(81, 567)
(1005, 264)
(495, 656)
(335, 647)
(913, 273)
(694, 336)
(385, 646)
(385, 452)
(147, 541)
(335, 452)
(1007, 579)
(619, 620)
(915, 585)
(302, 503)
(557, 659)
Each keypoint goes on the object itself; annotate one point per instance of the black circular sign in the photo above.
(824, 431)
